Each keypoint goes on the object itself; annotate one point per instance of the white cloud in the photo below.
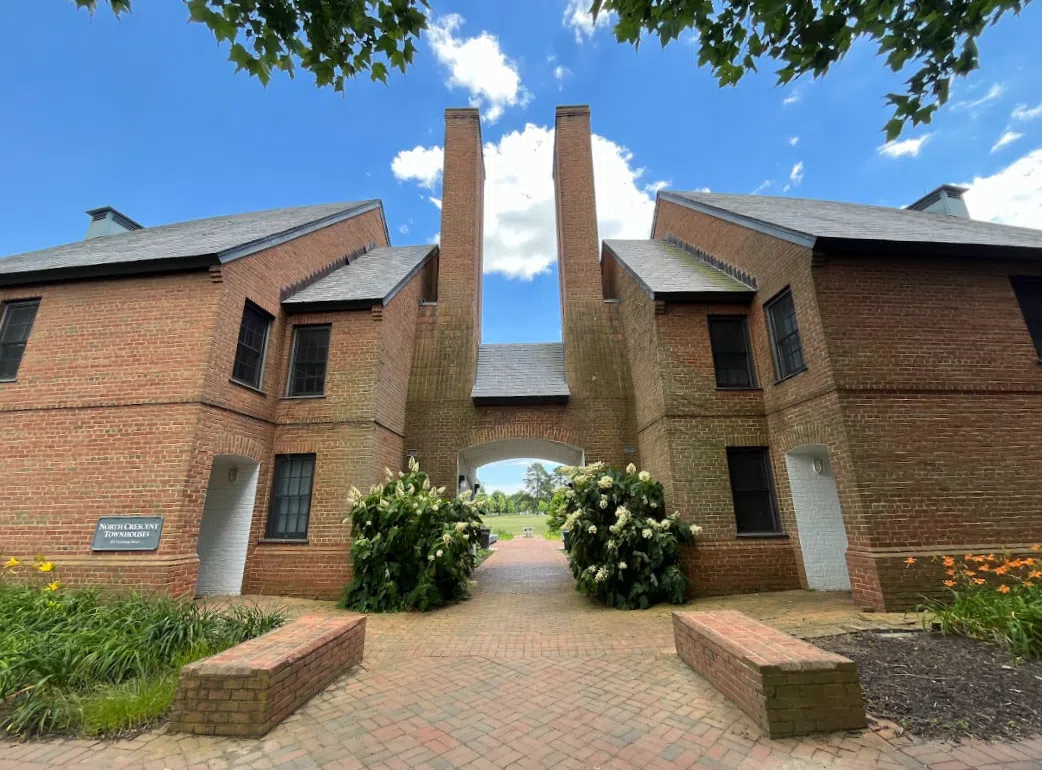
(1012, 196)
(996, 90)
(420, 164)
(577, 17)
(1008, 137)
(762, 186)
(796, 175)
(560, 73)
(1023, 112)
(793, 141)
(478, 65)
(904, 147)
(520, 233)
(403, 229)
(436, 238)
(435, 201)
(793, 97)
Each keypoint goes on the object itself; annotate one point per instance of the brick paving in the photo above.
(528, 674)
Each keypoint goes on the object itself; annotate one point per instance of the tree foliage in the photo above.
(332, 39)
(538, 482)
(808, 36)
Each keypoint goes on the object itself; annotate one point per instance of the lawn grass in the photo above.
(515, 525)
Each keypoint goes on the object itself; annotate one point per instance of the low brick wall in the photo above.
(250, 688)
(788, 686)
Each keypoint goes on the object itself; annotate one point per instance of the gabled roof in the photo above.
(526, 373)
(197, 243)
(667, 271)
(373, 278)
(828, 225)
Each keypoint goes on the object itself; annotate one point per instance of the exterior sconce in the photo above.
(233, 474)
(819, 466)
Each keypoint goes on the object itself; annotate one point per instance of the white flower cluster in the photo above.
(601, 576)
(644, 476)
(604, 482)
(461, 526)
(696, 530)
(631, 469)
(604, 502)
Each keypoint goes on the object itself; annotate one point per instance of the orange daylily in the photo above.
(978, 581)
(949, 583)
(1036, 547)
(949, 561)
(909, 560)
(984, 568)
(1035, 574)
(990, 557)
(949, 572)
(1003, 589)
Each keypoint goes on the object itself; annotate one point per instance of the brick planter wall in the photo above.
(788, 686)
(250, 688)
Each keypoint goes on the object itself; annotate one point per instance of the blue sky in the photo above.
(146, 114)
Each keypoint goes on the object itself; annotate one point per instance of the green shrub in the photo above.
(412, 548)
(993, 598)
(59, 647)
(624, 551)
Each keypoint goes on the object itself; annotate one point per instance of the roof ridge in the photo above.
(715, 262)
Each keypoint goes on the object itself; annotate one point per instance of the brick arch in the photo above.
(231, 444)
(511, 448)
(520, 426)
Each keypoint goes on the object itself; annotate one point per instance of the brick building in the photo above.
(827, 388)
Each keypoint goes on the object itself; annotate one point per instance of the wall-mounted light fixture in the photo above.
(819, 465)
(233, 474)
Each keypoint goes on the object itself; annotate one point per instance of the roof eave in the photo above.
(865, 247)
(549, 399)
(110, 270)
(725, 296)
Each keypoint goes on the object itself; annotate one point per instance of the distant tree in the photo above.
(333, 39)
(524, 502)
(805, 36)
(539, 482)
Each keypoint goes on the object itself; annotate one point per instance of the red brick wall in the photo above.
(250, 688)
(111, 413)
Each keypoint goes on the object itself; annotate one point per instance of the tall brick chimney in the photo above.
(462, 225)
(578, 248)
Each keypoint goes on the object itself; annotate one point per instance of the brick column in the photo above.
(596, 363)
(440, 413)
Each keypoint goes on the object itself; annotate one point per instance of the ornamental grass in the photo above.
(993, 597)
(79, 661)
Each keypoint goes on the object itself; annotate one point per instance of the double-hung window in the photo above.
(729, 338)
(785, 335)
(307, 369)
(291, 497)
(1029, 295)
(752, 489)
(252, 346)
(16, 322)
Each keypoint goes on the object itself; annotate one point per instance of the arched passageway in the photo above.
(472, 458)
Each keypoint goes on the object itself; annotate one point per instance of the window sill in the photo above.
(751, 387)
(787, 377)
(15, 379)
(283, 541)
(301, 398)
(246, 385)
(763, 535)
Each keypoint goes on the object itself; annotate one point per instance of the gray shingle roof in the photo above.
(218, 239)
(526, 372)
(666, 271)
(823, 223)
(373, 277)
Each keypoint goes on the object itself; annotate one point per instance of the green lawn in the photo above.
(515, 525)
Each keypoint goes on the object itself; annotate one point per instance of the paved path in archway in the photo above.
(529, 674)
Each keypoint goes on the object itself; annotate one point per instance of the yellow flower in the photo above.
(11, 563)
(53, 586)
(1003, 589)
(46, 566)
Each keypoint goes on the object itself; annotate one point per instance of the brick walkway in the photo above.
(528, 674)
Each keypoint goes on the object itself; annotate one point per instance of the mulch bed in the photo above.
(945, 686)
